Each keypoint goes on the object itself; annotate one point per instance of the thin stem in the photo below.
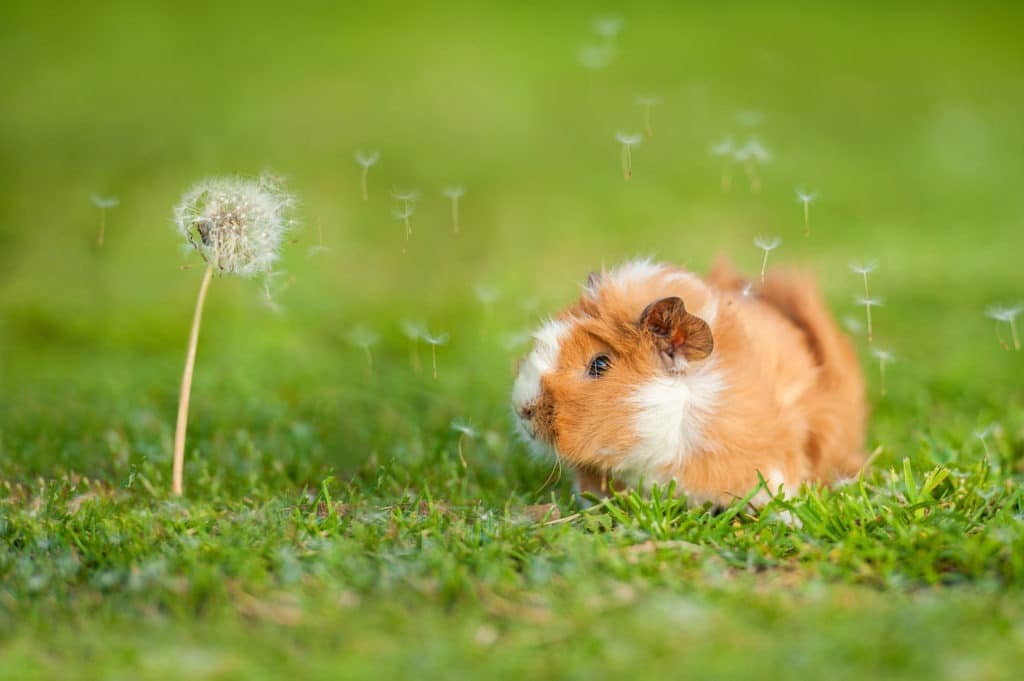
(186, 386)
(1013, 332)
(752, 176)
(807, 219)
(433, 357)
(455, 214)
(647, 121)
(984, 444)
(881, 370)
(103, 224)
(366, 194)
(867, 294)
(868, 310)
(627, 161)
(461, 457)
(764, 265)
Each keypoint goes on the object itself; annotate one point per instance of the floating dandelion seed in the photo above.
(807, 199)
(628, 141)
(594, 57)
(766, 244)
(414, 331)
(434, 341)
(319, 247)
(104, 203)
(750, 118)
(864, 269)
(454, 193)
(982, 434)
(608, 26)
(269, 293)
(1007, 314)
(365, 338)
(465, 431)
(408, 209)
(751, 155)
(868, 303)
(366, 159)
(487, 295)
(647, 103)
(853, 325)
(884, 357)
(237, 226)
(724, 149)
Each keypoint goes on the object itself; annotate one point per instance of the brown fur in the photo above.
(792, 406)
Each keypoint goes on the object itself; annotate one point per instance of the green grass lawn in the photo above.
(329, 527)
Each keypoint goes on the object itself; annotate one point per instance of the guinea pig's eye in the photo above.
(598, 365)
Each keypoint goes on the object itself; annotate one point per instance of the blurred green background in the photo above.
(906, 121)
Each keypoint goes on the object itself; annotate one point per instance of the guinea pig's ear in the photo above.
(677, 333)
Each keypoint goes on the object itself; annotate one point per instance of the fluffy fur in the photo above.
(711, 382)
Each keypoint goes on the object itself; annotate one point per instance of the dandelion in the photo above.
(414, 331)
(724, 149)
(104, 203)
(465, 431)
(982, 434)
(628, 141)
(454, 193)
(807, 199)
(864, 269)
(487, 295)
(237, 226)
(766, 244)
(884, 357)
(594, 57)
(1007, 314)
(319, 247)
(366, 159)
(751, 155)
(433, 342)
(365, 338)
(647, 103)
(403, 215)
(608, 26)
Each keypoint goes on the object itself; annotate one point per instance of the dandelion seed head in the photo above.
(883, 356)
(410, 196)
(853, 325)
(413, 330)
(805, 197)
(403, 213)
(439, 339)
(629, 139)
(104, 201)
(724, 147)
(594, 57)
(982, 433)
(488, 295)
(866, 267)
(607, 26)
(367, 158)
(236, 224)
(753, 149)
(463, 427)
(767, 243)
(363, 337)
(454, 191)
(870, 302)
(1004, 313)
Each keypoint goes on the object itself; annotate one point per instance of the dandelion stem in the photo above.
(807, 219)
(433, 357)
(627, 161)
(1013, 332)
(455, 214)
(186, 386)
(461, 457)
(366, 194)
(881, 371)
(764, 265)
(647, 121)
(752, 176)
(103, 223)
(867, 308)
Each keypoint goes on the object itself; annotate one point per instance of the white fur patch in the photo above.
(542, 360)
(672, 412)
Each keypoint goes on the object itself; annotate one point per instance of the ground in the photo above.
(330, 527)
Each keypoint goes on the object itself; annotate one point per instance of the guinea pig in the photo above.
(655, 374)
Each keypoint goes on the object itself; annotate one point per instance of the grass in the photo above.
(329, 527)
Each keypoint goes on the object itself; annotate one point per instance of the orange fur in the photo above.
(781, 393)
